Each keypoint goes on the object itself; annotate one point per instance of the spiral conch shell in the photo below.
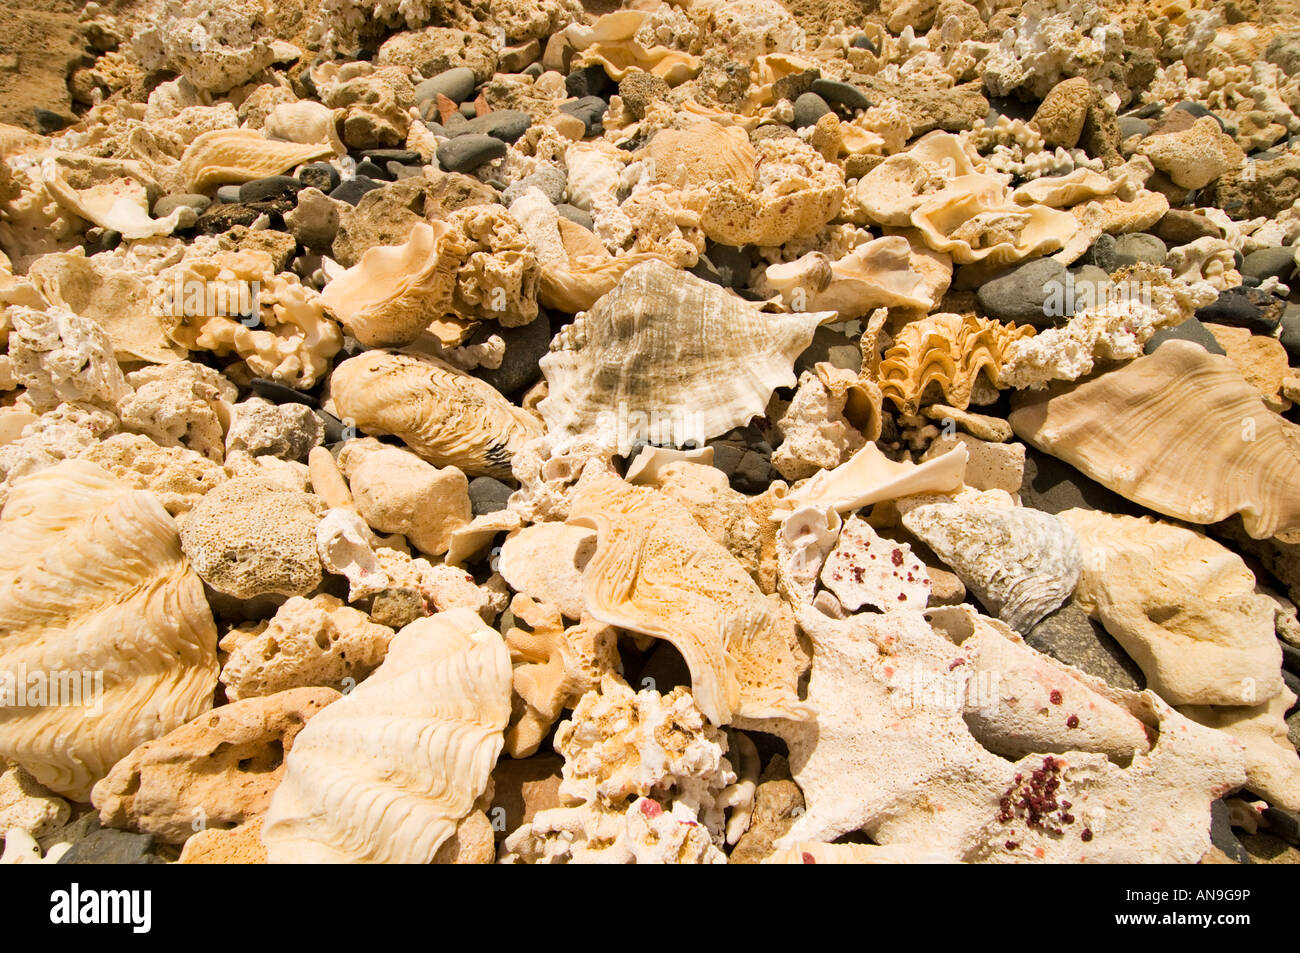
(658, 573)
(675, 350)
(446, 416)
(390, 296)
(97, 603)
(241, 155)
(1178, 431)
(385, 774)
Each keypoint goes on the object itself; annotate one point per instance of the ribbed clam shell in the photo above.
(446, 416)
(241, 155)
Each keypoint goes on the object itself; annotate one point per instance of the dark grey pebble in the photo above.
(270, 188)
(1250, 308)
(1031, 293)
(808, 108)
(373, 170)
(576, 215)
(278, 393)
(841, 94)
(351, 190)
(109, 846)
(487, 495)
(588, 81)
(469, 152)
(320, 175)
(1190, 330)
(457, 84)
(504, 124)
(1270, 263)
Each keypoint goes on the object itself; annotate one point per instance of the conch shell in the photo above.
(93, 585)
(444, 415)
(242, 155)
(673, 349)
(385, 774)
(394, 292)
(1178, 431)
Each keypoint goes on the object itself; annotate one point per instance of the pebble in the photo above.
(469, 152)
(841, 94)
(863, 42)
(228, 194)
(384, 156)
(1135, 247)
(351, 190)
(591, 110)
(1270, 263)
(373, 170)
(1068, 635)
(1130, 126)
(1250, 308)
(576, 215)
(1190, 330)
(1179, 227)
(549, 179)
(278, 393)
(525, 346)
(1290, 336)
(1221, 835)
(504, 124)
(49, 122)
(588, 81)
(1020, 295)
(170, 203)
(320, 175)
(468, 110)
(270, 188)
(456, 84)
(487, 495)
(808, 108)
(109, 846)
(1197, 110)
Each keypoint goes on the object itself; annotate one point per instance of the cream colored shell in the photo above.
(94, 588)
(241, 155)
(385, 774)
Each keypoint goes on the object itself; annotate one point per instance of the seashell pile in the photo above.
(697, 431)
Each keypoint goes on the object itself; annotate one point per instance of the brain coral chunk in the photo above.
(98, 604)
(385, 774)
(252, 536)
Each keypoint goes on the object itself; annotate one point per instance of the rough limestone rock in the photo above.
(1196, 156)
(218, 770)
(252, 536)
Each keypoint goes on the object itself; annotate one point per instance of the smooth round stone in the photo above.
(1190, 330)
(590, 109)
(841, 94)
(320, 175)
(1130, 126)
(222, 217)
(534, 70)
(1276, 263)
(106, 240)
(278, 393)
(109, 846)
(170, 203)
(863, 42)
(1025, 294)
(504, 124)
(269, 189)
(576, 215)
(487, 495)
(436, 128)
(808, 108)
(588, 81)
(468, 110)
(1290, 336)
(1069, 636)
(725, 265)
(1249, 308)
(457, 84)
(48, 121)
(1137, 247)
(384, 156)
(228, 194)
(351, 190)
(469, 152)
(372, 170)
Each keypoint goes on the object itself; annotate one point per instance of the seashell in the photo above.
(96, 595)
(594, 169)
(870, 477)
(1021, 563)
(385, 775)
(1183, 606)
(865, 568)
(877, 274)
(656, 572)
(794, 193)
(395, 291)
(974, 219)
(576, 268)
(945, 353)
(242, 155)
(1062, 191)
(545, 562)
(805, 538)
(305, 122)
(611, 42)
(674, 351)
(896, 700)
(1178, 431)
(446, 416)
(699, 155)
(644, 469)
(121, 204)
(894, 189)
